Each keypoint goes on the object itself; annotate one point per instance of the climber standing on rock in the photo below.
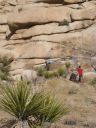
(80, 73)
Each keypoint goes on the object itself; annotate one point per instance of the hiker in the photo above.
(80, 73)
(73, 76)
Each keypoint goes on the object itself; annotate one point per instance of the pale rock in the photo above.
(89, 75)
(21, 124)
(75, 38)
(25, 63)
(12, 2)
(40, 16)
(74, 1)
(84, 14)
(37, 50)
(16, 72)
(3, 28)
(6, 53)
(3, 43)
(2, 36)
(3, 19)
(49, 29)
(89, 39)
(88, 5)
(29, 75)
(41, 30)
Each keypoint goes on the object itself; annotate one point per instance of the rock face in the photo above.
(32, 31)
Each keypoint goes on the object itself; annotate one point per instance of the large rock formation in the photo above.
(32, 31)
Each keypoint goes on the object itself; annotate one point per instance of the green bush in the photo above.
(51, 74)
(5, 68)
(48, 74)
(4, 75)
(5, 61)
(67, 64)
(20, 102)
(55, 74)
(64, 22)
(40, 71)
(62, 72)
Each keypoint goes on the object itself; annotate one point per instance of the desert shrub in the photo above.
(5, 67)
(62, 72)
(92, 82)
(19, 101)
(64, 22)
(4, 75)
(5, 60)
(40, 71)
(55, 74)
(48, 74)
(67, 64)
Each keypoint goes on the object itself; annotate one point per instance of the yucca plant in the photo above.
(29, 109)
(51, 110)
(18, 101)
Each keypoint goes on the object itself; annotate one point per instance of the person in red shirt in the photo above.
(80, 73)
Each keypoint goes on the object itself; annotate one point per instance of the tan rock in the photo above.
(41, 30)
(52, 28)
(89, 39)
(52, 1)
(12, 2)
(2, 36)
(3, 19)
(74, 1)
(84, 14)
(40, 16)
(3, 28)
(2, 43)
(16, 72)
(7, 53)
(65, 38)
(37, 50)
(36, 1)
(29, 75)
(25, 63)
(89, 75)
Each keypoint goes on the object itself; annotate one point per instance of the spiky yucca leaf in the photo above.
(18, 100)
(51, 110)
(15, 99)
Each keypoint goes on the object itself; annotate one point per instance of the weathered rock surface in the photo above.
(32, 31)
(41, 16)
